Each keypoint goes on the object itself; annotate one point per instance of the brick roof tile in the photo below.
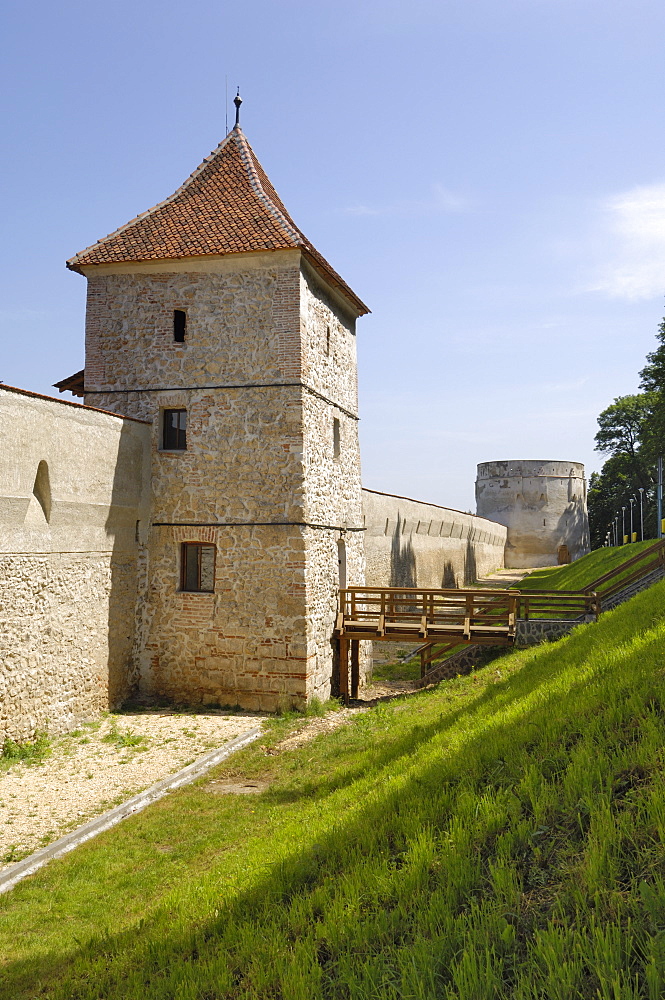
(228, 205)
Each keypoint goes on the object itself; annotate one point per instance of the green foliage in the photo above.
(123, 740)
(31, 751)
(498, 838)
(621, 427)
(632, 432)
(397, 671)
(652, 380)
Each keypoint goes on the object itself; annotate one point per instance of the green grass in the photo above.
(124, 739)
(582, 572)
(30, 751)
(497, 838)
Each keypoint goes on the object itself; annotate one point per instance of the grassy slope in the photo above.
(498, 837)
(583, 571)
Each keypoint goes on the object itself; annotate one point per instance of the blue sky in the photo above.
(488, 175)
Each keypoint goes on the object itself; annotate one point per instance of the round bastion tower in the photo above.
(543, 505)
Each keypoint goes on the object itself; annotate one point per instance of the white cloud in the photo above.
(440, 200)
(634, 224)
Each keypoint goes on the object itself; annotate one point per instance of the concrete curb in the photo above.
(136, 804)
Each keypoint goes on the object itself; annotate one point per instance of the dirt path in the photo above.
(502, 578)
(99, 766)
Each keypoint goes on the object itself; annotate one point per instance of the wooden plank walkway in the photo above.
(441, 620)
(417, 615)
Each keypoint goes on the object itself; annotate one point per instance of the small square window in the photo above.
(174, 430)
(179, 325)
(197, 572)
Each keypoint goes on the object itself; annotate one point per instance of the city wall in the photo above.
(414, 544)
(73, 487)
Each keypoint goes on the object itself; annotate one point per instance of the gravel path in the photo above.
(99, 766)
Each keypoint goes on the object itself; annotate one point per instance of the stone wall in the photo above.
(543, 505)
(270, 475)
(73, 493)
(414, 544)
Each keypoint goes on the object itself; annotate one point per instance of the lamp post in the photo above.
(616, 530)
(631, 501)
(623, 525)
(641, 514)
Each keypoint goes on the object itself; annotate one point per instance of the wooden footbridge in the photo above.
(442, 620)
(439, 620)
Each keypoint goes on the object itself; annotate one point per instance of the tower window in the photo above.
(174, 430)
(197, 568)
(336, 438)
(179, 325)
(327, 341)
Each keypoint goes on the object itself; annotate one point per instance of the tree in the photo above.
(609, 491)
(652, 380)
(622, 428)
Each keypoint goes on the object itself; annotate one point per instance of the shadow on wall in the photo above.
(125, 524)
(448, 580)
(573, 533)
(470, 567)
(402, 559)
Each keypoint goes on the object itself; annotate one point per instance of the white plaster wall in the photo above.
(68, 567)
(542, 504)
(414, 544)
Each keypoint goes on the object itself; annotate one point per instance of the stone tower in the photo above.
(213, 316)
(543, 505)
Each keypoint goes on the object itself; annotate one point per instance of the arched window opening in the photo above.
(42, 489)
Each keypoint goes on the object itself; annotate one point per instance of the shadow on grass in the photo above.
(416, 775)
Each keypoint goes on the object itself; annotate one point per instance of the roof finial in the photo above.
(237, 100)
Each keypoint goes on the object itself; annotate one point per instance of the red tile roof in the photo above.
(73, 383)
(227, 205)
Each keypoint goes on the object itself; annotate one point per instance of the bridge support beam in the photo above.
(344, 669)
(355, 667)
(347, 691)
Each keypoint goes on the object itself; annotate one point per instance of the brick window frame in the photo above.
(197, 567)
(173, 430)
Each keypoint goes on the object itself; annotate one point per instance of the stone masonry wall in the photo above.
(258, 470)
(72, 495)
(332, 475)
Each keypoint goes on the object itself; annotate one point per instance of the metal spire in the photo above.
(237, 100)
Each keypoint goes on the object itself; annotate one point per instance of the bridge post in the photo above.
(344, 669)
(355, 667)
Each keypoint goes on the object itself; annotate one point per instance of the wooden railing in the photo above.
(560, 604)
(417, 615)
(644, 562)
(442, 620)
(589, 600)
